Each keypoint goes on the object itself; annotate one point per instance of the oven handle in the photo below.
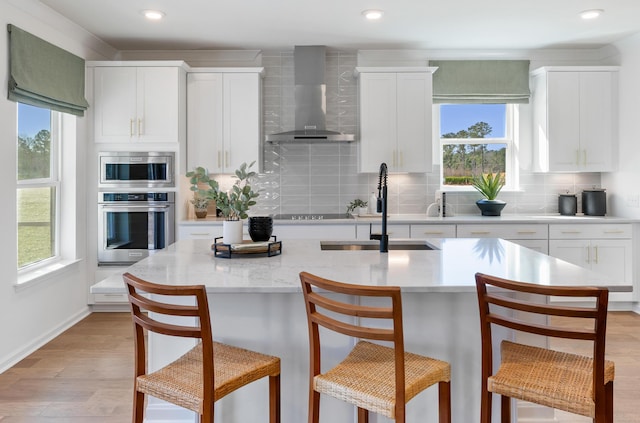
(123, 207)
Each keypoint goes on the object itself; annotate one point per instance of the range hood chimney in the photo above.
(310, 100)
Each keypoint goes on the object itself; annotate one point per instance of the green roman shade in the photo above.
(43, 75)
(481, 81)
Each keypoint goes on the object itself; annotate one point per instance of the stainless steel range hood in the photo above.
(310, 98)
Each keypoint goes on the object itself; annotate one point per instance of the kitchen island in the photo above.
(256, 303)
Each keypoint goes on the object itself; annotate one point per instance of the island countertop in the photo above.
(448, 268)
(256, 303)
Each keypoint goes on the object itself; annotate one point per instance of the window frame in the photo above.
(53, 181)
(512, 115)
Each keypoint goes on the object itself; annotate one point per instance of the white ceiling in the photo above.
(407, 24)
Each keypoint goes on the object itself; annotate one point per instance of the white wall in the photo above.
(32, 315)
(623, 186)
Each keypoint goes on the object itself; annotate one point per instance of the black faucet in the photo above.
(381, 207)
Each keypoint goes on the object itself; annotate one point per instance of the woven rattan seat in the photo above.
(569, 382)
(546, 377)
(373, 377)
(202, 375)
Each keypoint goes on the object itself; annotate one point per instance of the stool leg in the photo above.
(444, 402)
(314, 406)
(505, 410)
(485, 405)
(274, 399)
(138, 407)
(363, 415)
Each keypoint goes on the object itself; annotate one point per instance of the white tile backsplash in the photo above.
(323, 178)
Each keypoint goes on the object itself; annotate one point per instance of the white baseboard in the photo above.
(13, 358)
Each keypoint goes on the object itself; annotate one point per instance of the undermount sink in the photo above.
(374, 245)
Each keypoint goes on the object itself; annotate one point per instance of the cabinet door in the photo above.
(204, 121)
(612, 257)
(136, 104)
(115, 116)
(563, 114)
(596, 120)
(378, 124)
(576, 251)
(241, 127)
(157, 117)
(414, 92)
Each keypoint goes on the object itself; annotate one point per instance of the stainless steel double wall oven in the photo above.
(136, 211)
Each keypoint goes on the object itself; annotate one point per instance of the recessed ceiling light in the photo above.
(372, 14)
(153, 15)
(591, 13)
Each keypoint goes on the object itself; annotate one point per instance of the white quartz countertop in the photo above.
(450, 268)
(423, 218)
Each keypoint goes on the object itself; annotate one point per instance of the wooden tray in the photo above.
(271, 248)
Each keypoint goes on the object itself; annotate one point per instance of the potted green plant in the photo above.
(202, 190)
(357, 204)
(489, 186)
(235, 203)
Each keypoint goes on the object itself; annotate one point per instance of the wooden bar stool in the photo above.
(372, 377)
(204, 374)
(568, 382)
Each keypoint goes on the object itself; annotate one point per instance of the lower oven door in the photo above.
(129, 233)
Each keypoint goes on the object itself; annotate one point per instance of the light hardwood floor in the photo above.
(85, 374)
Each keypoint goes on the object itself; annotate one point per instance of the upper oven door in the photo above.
(136, 170)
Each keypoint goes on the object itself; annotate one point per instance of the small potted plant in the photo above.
(357, 204)
(234, 203)
(202, 191)
(489, 186)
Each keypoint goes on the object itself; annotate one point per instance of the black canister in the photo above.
(568, 204)
(594, 202)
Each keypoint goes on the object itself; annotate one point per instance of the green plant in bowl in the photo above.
(489, 186)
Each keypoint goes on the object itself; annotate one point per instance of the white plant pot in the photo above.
(232, 231)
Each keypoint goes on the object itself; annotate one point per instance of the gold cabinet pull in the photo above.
(219, 159)
(139, 126)
(226, 159)
(588, 254)
(131, 127)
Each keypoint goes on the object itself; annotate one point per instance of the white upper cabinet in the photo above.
(575, 118)
(395, 119)
(139, 103)
(223, 119)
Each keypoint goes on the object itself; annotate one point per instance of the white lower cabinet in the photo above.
(200, 231)
(532, 236)
(422, 231)
(393, 230)
(603, 248)
(326, 232)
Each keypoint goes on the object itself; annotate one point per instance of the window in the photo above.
(477, 139)
(38, 185)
